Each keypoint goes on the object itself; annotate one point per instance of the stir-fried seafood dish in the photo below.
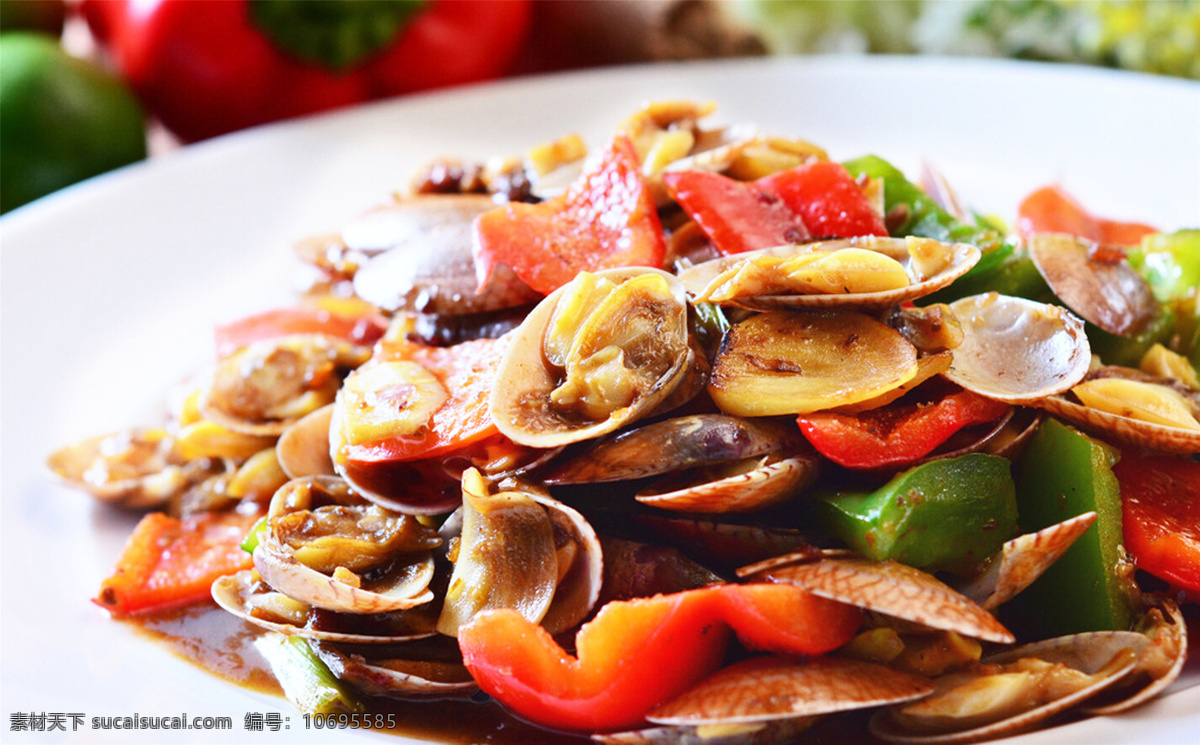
(699, 437)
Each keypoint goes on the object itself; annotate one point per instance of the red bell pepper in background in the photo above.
(1160, 505)
(638, 653)
(207, 68)
(607, 218)
(821, 200)
(1052, 210)
(365, 330)
(168, 563)
(895, 435)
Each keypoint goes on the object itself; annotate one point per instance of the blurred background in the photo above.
(90, 85)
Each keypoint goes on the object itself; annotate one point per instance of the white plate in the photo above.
(110, 290)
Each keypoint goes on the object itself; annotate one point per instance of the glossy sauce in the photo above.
(223, 645)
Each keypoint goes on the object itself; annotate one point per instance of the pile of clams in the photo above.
(634, 432)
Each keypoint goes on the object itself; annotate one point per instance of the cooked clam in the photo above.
(303, 448)
(425, 668)
(265, 386)
(244, 595)
(1013, 690)
(894, 589)
(134, 468)
(775, 732)
(1017, 350)
(868, 272)
(328, 547)
(742, 486)
(428, 265)
(1159, 663)
(762, 689)
(1107, 292)
(784, 362)
(596, 354)
(672, 445)
(1116, 426)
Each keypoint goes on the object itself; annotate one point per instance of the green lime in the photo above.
(62, 119)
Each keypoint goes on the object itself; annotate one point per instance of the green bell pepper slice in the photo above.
(1170, 262)
(1064, 473)
(945, 515)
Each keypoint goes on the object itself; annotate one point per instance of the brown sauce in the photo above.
(223, 645)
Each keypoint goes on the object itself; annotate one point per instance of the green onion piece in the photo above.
(250, 542)
(306, 681)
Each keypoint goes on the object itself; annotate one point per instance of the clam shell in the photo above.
(763, 689)
(1091, 653)
(895, 589)
(303, 448)
(578, 589)
(963, 258)
(230, 592)
(776, 732)
(1024, 558)
(1112, 295)
(400, 676)
(1161, 661)
(673, 445)
(1017, 350)
(519, 402)
(770, 481)
(725, 543)
(1125, 429)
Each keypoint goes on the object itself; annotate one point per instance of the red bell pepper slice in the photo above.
(895, 435)
(168, 563)
(736, 215)
(1052, 210)
(637, 653)
(1160, 505)
(819, 199)
(828, 199)
(607, 218)
(468, 373)
(271, 324)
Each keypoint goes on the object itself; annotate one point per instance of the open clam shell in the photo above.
(743, 486)
(1109, 426)
(1158, 665)
(961, 258)
(1017, 350)
(423, 258)
(303, 448)
(896, 590)
(132, 468)
(233, 591)
(775, 732)
(1109, 293)
(394, 582)
(644, 337)
(763, 689)
(727, 544)
(673, 445)
(1023, 559)
(401, 671)
(1103, 658)
(266, 386)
